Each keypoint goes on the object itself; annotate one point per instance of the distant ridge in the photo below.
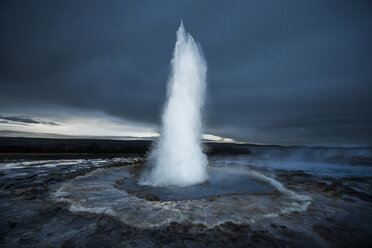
(20, 134)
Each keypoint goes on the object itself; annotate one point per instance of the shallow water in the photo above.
(219, 183)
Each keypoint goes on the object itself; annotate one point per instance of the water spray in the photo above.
(177, 158)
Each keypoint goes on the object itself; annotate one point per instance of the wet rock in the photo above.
(147, 196)
(205, 183)
(190, 243)
(30, 218)
(323, 231)
(102, 222)
(139, 242)
(50, 180)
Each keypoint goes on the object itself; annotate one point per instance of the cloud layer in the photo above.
(278, 72)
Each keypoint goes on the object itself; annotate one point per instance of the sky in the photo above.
(279, 72)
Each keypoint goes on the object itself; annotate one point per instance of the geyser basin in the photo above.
(220, 183)
(244, 200)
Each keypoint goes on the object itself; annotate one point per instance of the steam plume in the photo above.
(178, 158)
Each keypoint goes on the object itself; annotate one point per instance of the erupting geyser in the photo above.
(178, 158)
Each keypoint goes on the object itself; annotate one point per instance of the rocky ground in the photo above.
(340, 213)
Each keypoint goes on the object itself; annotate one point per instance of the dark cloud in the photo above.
(24, 120)
(278, 71)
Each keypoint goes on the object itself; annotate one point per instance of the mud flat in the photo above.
(267, 203)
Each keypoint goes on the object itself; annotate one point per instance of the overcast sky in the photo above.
(279, 72)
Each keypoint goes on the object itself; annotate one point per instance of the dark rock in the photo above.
(193, 243)
(148, 196)
(205, 183)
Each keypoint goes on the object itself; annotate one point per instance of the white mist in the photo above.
(178, 158)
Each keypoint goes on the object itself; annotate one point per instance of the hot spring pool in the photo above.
(219, 183)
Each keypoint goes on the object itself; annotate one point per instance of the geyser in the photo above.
(177, 159)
